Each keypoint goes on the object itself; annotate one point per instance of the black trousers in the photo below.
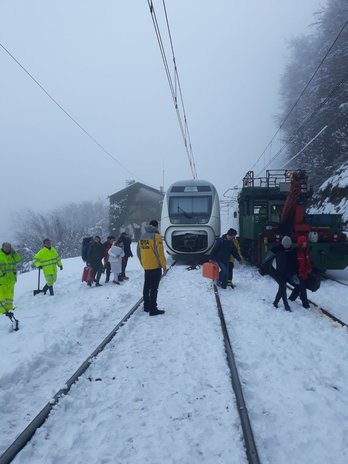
(107, 271)
(97, 267)
(300, 290)
(151, 282)
(123, 268)
(281, 294)
(230, 272)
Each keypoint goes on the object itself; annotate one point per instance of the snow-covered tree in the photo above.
(65, 226)
(322, 104)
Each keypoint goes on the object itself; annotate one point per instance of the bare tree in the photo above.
(65, 226)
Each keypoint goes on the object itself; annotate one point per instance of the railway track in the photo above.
(328, 314)
(250, 446)
(324, 311)
(251, 450)
(22, 440)
(335, 280)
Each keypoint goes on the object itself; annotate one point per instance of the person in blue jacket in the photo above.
(223, 249)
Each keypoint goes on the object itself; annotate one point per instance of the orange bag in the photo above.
(211, 271)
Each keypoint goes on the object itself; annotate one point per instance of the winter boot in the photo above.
(156, 312)
(50, 288)
(287, 307)
(98, 284)
(44, 290)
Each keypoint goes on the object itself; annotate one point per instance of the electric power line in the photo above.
(302, 93)
(66, 112)
(173, 85)
(306, 121)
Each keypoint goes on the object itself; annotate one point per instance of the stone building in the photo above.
(133, 207)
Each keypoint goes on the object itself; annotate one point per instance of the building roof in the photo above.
(132, 189)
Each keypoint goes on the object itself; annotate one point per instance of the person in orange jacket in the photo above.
(304, 268)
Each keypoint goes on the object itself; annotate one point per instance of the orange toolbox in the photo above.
(211, 271)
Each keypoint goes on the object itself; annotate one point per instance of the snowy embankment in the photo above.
(160, 392)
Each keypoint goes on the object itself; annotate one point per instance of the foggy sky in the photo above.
(100, 60)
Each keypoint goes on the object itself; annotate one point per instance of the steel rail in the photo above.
(251, 450)
(328, 314)
(323, 310)
(335, 280)
(22, 439)
(40, 418)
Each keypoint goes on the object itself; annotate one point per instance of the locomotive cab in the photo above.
(273, 206)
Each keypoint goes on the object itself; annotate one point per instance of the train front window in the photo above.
(187, 209)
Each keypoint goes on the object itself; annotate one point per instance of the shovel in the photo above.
(35, 292)
(10, 315)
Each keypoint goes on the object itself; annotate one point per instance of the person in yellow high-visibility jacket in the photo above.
(232, 232)
(8, 276)
(151, 256)
(48, 259)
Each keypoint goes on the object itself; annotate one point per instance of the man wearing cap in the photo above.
(8, 276)
(221, 253)
(151, 255)
(48, 259)
(233, 232)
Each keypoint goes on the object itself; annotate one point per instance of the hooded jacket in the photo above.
(48, 259)
(8, 265)
(115, 254)
(304, 264)
(150, 249)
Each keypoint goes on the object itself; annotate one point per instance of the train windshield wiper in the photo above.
(184, 213)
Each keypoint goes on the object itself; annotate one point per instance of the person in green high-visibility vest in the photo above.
(8, 276)
(48, 259)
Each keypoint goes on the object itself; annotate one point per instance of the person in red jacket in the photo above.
(304, 268)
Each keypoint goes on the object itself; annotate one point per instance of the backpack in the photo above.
(84, 249)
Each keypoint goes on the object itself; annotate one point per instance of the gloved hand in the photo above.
(61, 268)
(40, 267)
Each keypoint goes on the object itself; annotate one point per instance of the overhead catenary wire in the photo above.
(174, 85)
(89, 135)
(310, 117)
(301, 94)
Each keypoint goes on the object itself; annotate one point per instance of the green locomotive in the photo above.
(273, 206)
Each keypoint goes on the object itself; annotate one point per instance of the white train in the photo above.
(190, 220)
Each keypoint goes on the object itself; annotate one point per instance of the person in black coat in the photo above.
(285, 258)
(221, 253)
(127, 254)
(85, 245)
(95, 255)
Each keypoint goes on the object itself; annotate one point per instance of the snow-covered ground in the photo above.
(160, 392)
